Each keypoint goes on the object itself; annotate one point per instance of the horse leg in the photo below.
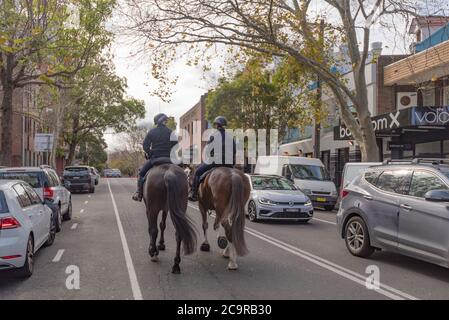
(176, 269)
(230, 249)
(152, 218)
(162, 226)
(205, 246)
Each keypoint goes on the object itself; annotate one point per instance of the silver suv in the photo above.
(401, 207)
(46, 183)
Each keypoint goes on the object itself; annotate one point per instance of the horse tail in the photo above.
(237, 211)
(183, 225)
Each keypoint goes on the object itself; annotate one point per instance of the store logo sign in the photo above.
(435, 117)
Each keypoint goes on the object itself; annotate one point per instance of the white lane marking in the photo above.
(74, 226)
(86, 202)
(392, 293)
(129, 262)
(82, 211)
(89, 196)
(58, 255)
(325, 221)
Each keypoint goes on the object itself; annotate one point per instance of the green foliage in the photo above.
(93, 152)
(171, 123)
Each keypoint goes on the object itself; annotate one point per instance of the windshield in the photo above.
(309, 172)
(3, 205)
(271, 183)
(32, 178)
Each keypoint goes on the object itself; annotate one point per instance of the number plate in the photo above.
(76, 178)
(293, 210)
(321, 199)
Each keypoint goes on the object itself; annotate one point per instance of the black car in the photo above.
(79, 178)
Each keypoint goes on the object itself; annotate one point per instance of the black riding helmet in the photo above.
(221, 121)
(160, 118)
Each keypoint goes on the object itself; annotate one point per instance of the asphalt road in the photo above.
(107, 241)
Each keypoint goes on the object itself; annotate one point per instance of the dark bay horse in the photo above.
(166, 190)
(226, 191)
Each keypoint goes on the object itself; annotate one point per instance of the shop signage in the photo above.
(388, 123)
(400, 146)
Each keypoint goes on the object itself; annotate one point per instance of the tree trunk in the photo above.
(72, 149)
(7, 117)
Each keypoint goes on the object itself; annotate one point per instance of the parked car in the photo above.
(26, 224)
(353, 169)
(308, 174)
(48, 186)
(276, 198)
(96, 174)
(401, 207)
(79, 178)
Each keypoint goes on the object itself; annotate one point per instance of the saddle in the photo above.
(160, 161)
(205, 174)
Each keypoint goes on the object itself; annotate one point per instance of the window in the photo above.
(371, 176)
(309, 172)
(423, 182)
(22, 196)
(32, 178)
(54, 178)
(397, 181)
(3, 204)
(271, 183)
(35, 199)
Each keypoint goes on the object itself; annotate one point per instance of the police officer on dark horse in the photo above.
(157, 144)
(164, 188)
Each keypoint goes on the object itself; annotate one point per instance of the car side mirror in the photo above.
(437, 196)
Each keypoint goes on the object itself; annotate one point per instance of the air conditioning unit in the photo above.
(407, 100)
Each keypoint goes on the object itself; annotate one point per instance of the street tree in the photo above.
(276, 28)
(45, 42)
(100, 103)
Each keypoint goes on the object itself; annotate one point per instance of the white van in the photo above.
(308, 174)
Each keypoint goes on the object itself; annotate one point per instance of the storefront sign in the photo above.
(400, 146)
(387, 124)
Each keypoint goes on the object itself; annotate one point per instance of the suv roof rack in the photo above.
(431, 161)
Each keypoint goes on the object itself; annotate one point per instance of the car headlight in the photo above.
(266, 201)
(308, 203)
(306, 191)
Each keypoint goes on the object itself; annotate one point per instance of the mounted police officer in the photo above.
(220, 124)
(157, 144)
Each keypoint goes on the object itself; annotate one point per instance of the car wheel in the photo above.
(252, 212)
(52, 233)
(357, 238)
(58, 219)
(27, 270)
(68, 215)
(329, 208)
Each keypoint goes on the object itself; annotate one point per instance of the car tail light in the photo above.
(344, 193)
(9, 223)
(11, 257)
(48, 193)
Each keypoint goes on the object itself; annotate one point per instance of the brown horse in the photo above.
(226, 191)
(166, 190)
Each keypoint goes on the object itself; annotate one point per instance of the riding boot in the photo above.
(194, 194)
(138, 195)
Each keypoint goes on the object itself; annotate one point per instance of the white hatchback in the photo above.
(26, 224)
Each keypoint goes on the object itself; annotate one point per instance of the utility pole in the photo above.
(319, 95)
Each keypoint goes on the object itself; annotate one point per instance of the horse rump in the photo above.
(177, 189)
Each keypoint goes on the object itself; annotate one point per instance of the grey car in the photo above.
(276, 198)
(402, 207)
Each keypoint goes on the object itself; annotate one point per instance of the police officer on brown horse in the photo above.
(157, 144)
(225, 158)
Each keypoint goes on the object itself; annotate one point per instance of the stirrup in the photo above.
(137, 197)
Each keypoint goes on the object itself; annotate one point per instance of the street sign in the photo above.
(43, 142)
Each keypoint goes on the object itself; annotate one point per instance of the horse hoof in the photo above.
(225, 254)
(232, 266)
(222, 242)
(154, 259)
(205, 247)
(176, 270)
(161, 247)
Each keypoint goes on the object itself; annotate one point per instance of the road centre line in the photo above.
(74, 226)
(137, 293)
(385, 290)
(82, 211)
